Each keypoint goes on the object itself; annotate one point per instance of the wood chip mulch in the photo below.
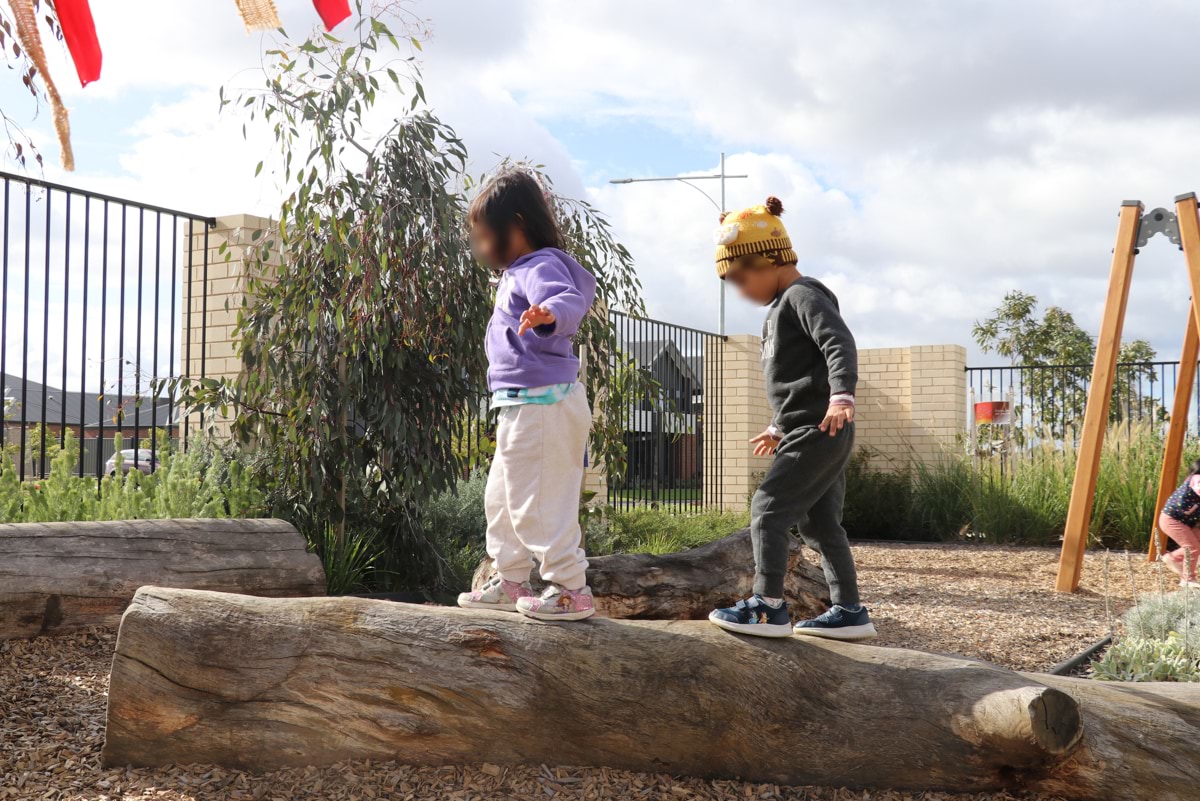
(997, 603)
(992, 603)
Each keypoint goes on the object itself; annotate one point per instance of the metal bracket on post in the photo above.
(1158, 221)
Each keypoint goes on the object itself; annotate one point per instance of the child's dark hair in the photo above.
(514, 197)
(1196, 467)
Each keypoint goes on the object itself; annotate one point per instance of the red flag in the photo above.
(332, 11)
(80, 32)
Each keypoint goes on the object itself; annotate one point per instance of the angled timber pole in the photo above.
(1176, 429)
(1189, 242)
(1095, 418)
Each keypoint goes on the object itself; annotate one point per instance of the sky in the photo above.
(931, 156)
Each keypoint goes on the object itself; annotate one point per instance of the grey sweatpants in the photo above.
(805, 486)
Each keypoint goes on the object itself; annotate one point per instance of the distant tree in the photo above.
(1063, 353)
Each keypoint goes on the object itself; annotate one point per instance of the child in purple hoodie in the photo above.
(532, 498)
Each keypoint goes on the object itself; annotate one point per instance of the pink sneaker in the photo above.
(559, 603)
(497, 594)
(1172, 564)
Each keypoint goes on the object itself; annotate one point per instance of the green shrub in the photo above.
(1126, 488)
(1156, 615)
(878, 502)
(206, 481)
(456, 522)
(941, 499)
(1148, 659)
(1162, 641)
(1018, 510)
(657, 531)
(348, 565)
(1020, 500)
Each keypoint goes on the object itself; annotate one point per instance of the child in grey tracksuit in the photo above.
(811, 366)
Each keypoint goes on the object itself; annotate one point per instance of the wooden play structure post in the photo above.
(1133, 231)
(1189, 236)
(1095, 418)
(1173, 452)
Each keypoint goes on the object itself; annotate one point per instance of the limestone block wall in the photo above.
(207, 347)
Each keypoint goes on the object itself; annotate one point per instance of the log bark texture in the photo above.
(262, 683)
(690, 584)
(61, 577)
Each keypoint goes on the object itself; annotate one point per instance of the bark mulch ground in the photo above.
(987, 602)
(997, 603)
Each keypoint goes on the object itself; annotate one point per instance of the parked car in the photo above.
(145, 462)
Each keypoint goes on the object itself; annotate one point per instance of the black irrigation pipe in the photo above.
(1069, 666)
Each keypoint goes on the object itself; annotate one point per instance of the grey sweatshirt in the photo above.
(808, 354)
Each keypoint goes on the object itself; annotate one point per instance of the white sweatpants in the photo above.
(532, 499)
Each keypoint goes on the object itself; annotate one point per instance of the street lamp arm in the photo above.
(673, 178)
(707, 196)
(687, 180)
(720, 207)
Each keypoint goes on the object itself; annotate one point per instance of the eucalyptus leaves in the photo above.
(363, 337)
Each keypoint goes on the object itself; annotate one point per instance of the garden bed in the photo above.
(993, 603)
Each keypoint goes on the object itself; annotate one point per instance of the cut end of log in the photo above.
(1033, 725)
(1055, 722)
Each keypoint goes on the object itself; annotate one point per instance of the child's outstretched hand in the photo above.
(533, 317)
(836, 417)
(765, 443)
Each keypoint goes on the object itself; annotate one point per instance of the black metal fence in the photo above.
(1021, 407)
(101, 297)
(673, 433)
(93, 291)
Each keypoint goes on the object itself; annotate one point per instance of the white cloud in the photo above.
(978, 148)
(931, 155)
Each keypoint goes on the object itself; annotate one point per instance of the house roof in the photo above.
(647, 352)
(89, 408)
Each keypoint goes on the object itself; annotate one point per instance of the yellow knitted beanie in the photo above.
(756, 230)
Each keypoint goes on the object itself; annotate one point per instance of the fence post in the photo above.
(745, 412)
(594, 476)
(214, 290)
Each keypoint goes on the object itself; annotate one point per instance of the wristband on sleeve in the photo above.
(773, 432)
(841, 399)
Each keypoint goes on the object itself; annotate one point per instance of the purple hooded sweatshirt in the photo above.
(543, 356)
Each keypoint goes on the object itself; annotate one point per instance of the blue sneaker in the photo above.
(839, 623)
(754, 616)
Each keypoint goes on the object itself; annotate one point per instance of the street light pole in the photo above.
(721, 176)
(721, 315)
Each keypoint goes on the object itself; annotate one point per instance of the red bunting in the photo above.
(332, 11)
(79, 30)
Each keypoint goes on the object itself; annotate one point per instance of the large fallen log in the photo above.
(263, 683)
(60, 577)
(690, 584)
